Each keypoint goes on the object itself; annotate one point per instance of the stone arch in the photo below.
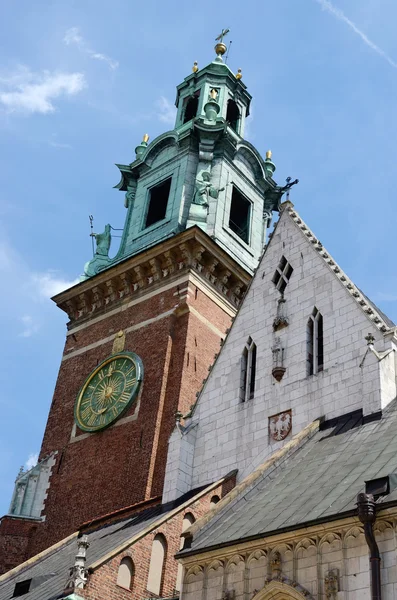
(257, 570)
(234, 574)
(305, 547)
(282, 590)
(157, 562)
(249, 164)
(161, 143)
(253, 157)
(126, 572)
(352, 535)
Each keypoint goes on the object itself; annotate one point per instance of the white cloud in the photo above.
(167, 111)
(32, 461)
(336, 12)
(29, 92)
(49, 284)
(30, 326)
(73, 36)
(60, 145)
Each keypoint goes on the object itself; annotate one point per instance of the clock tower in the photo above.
(144, 327)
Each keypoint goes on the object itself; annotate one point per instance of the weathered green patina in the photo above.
(203, 172)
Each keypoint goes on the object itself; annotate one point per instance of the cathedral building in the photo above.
(223, 424)
(144, 329)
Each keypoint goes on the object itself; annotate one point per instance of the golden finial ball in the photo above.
(239, 74)
(269, 154)
(220, 49)
(195, 67)
(145, 137)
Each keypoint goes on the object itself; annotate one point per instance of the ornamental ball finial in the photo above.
(220, 49)
(239, 74)
(269, 154)
(145, 138)
(195, 67)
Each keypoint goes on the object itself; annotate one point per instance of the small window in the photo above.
(22, 588)
(248, 371)
(190, 107)
(233, 115)
(156, 568)
(126, 573)
(214, 500)
(282, 275)
(240, 215)
(188, 520)
(315, 343)
(158, 200)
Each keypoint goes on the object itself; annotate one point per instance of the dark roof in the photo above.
(50, 573)
(318, 482)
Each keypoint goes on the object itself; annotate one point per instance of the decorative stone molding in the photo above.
(191, 250)
(372, 314)
(331, 584)
(78, 575)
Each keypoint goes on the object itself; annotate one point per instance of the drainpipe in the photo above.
(367, 515)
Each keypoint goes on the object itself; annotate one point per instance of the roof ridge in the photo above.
(367, 306)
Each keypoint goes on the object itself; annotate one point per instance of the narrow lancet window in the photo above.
(125, 573)
(248, 371)
(156, 567)
(315, 343)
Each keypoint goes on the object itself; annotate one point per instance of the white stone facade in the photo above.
(232, 434)
(253, 571)
(30, 489)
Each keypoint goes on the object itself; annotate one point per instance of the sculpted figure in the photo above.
(204, 189)
(103, 241)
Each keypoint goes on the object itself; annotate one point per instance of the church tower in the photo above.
(144, 327)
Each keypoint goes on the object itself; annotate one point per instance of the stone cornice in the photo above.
(192, 250)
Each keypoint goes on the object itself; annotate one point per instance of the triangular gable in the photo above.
(230, 433)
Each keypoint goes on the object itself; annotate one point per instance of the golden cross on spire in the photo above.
(222, 35)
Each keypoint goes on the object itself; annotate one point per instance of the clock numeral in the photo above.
(124, 398)
(86, 412)
(115, 411)
(130, 370)
(101, 375)
(130, 383)
(92, 420)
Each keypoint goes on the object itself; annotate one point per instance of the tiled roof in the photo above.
(320, 480)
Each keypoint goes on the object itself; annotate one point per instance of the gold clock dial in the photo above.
(108, 391)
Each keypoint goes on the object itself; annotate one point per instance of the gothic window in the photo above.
(158, 200)
(282, 275)
(232, 115)
(315, 343)
(248, 371)
(214, 500)
(126, 573)
(190, 107)
(156, 568)
(240, 215)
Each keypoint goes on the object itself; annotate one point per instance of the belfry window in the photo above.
(158, 200)
(233, 115)
(240, 215)
(282, 275)
(315, 343)
(248, 371)
(190, 107)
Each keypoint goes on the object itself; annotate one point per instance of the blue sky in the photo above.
(81, 81)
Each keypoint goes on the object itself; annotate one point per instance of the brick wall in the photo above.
(15, 541)
(103, 581)
(95, 474)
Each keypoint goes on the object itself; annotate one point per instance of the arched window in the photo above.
(233, 115)
(125, 576)
(156, 568)
(214, 500)
(188, 520)
(191, 106)
(315, 343)
(248, 371)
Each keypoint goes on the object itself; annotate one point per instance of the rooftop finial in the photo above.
(195, 67)
(221, 48)
(239, 74)
(145, 138)
(269, 154)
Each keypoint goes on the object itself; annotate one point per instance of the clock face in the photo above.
(109, 391)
